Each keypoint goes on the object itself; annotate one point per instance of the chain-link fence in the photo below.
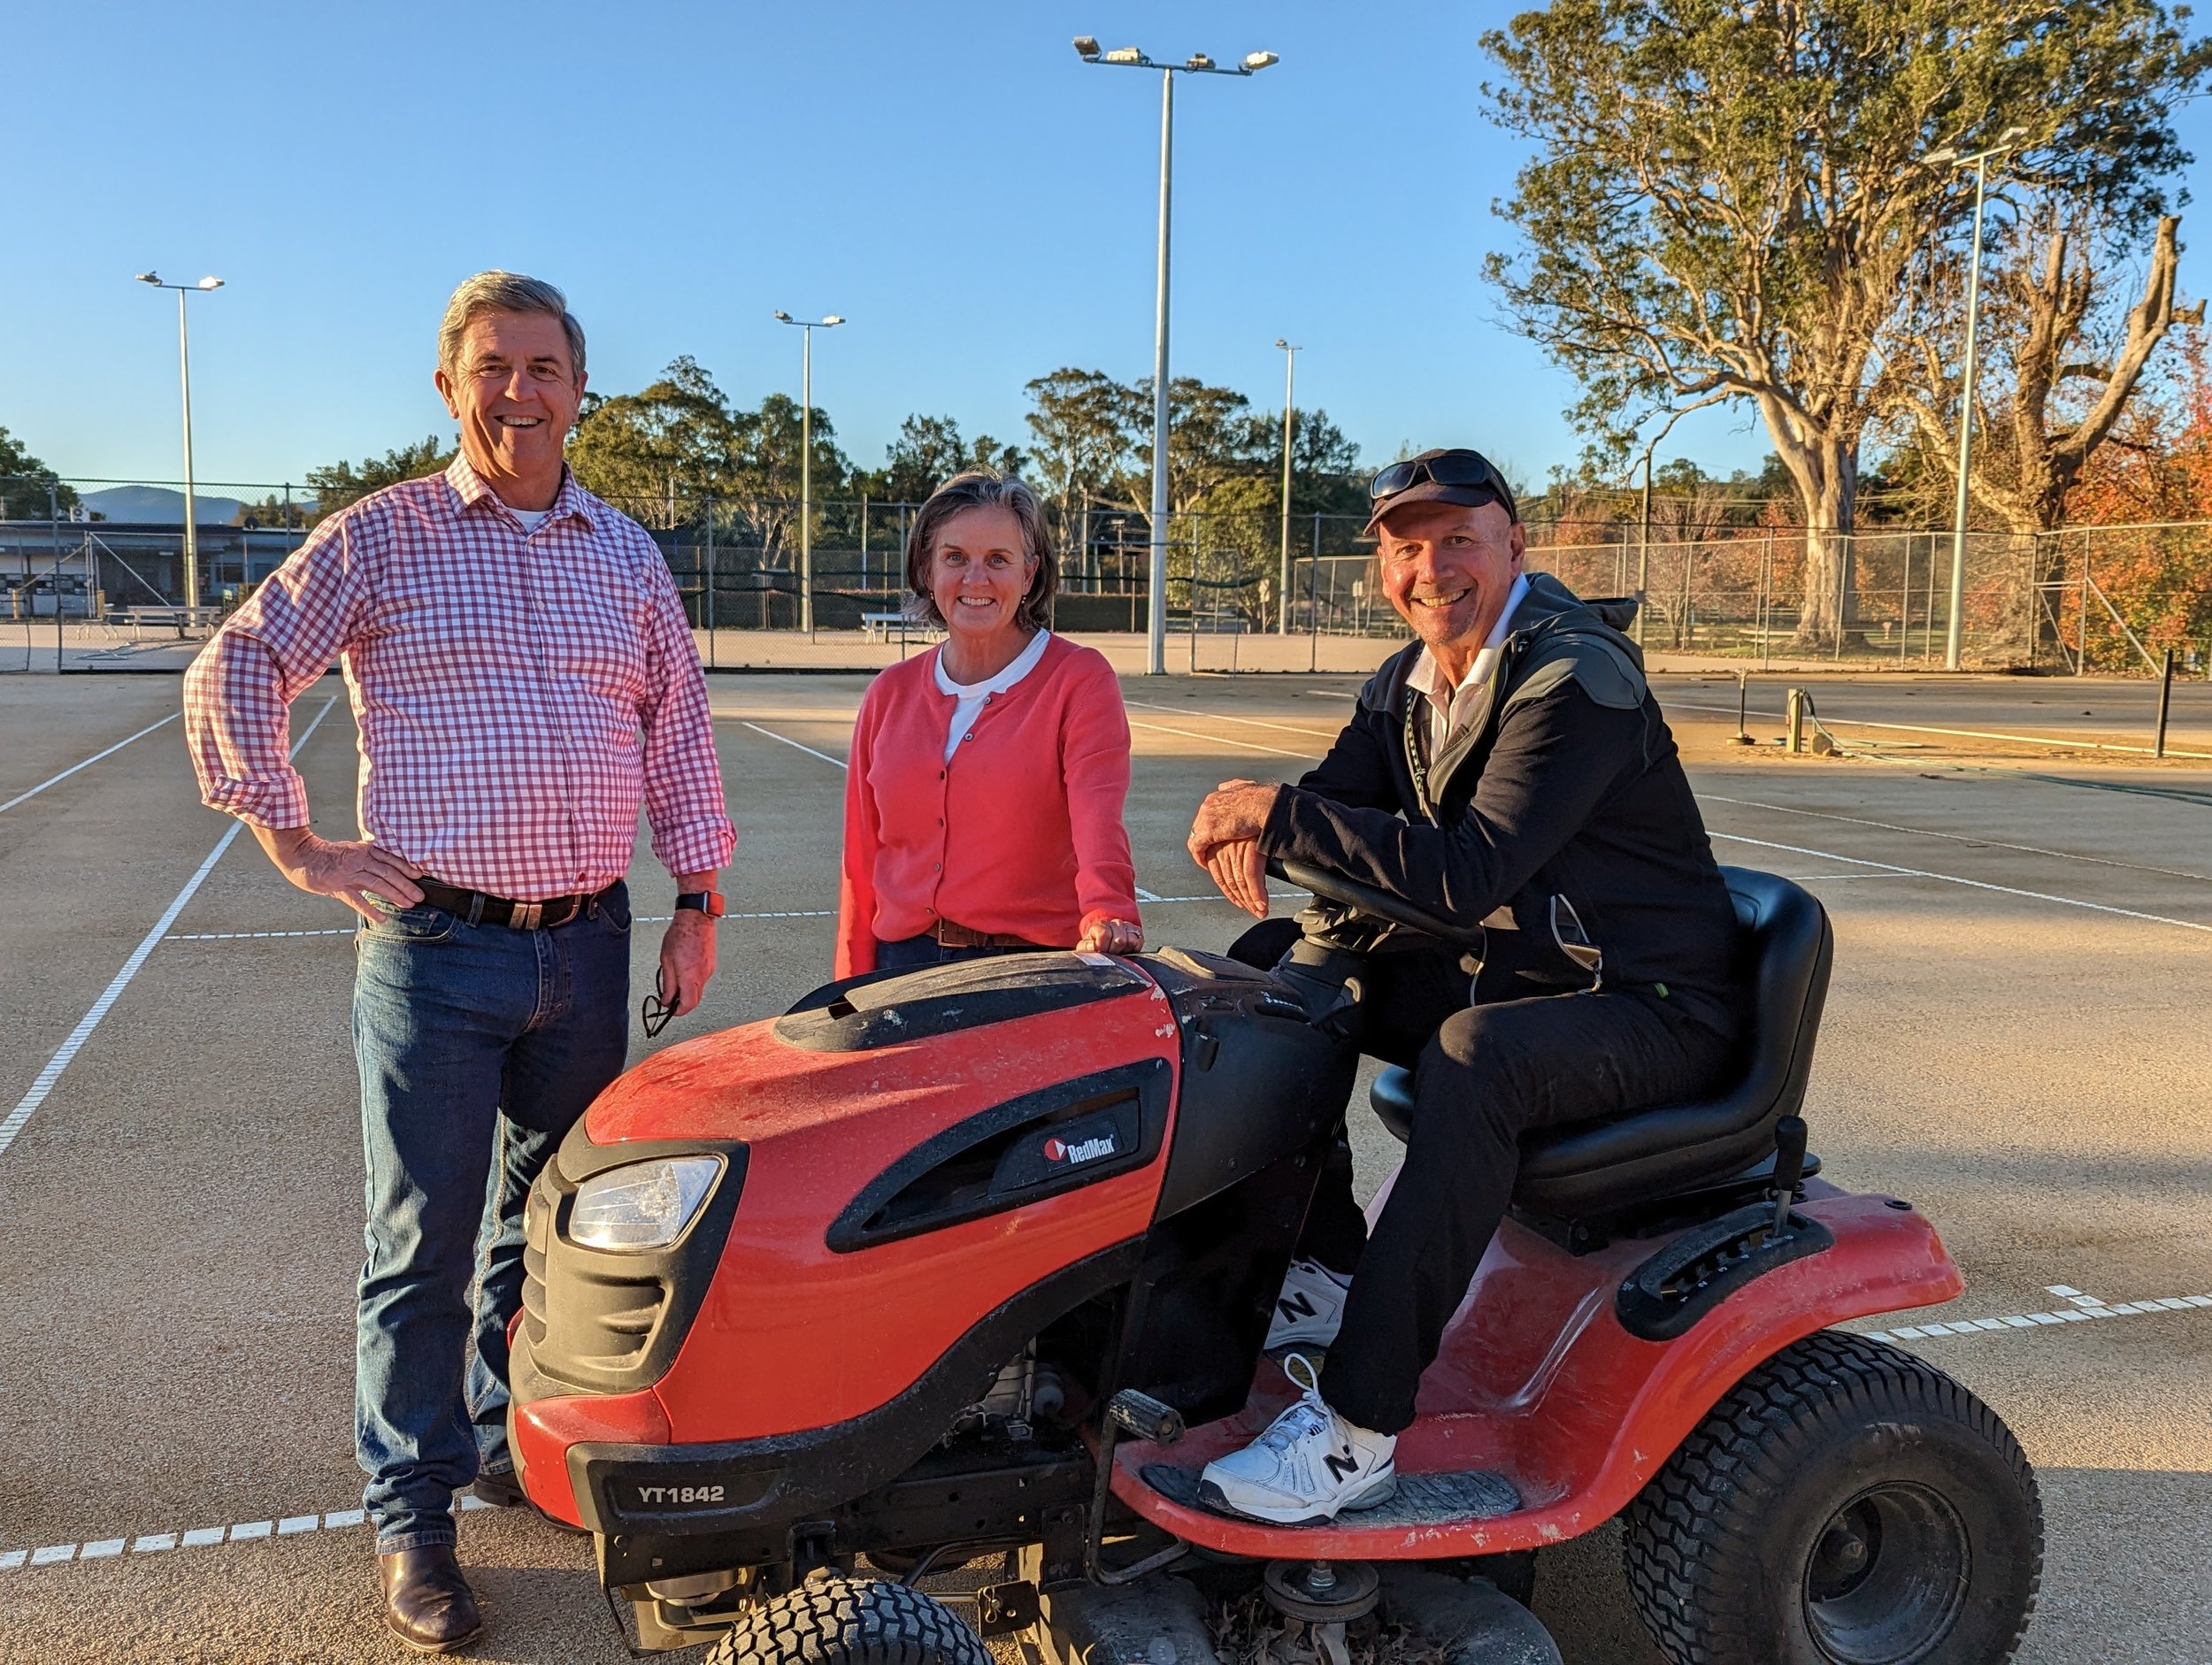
(2095, 598)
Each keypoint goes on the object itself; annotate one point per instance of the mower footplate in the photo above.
(1439, 1498)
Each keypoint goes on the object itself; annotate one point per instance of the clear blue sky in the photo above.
(976, 200)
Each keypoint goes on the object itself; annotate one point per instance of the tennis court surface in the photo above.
(2015, 1040)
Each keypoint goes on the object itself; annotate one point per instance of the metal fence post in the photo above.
(2081, 612)
(1313, 604)
(2165, 704)
(53, 527)
(710, 580)
(1766, 600)
(1904, 607)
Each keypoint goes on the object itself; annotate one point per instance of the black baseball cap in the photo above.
(1450, 475)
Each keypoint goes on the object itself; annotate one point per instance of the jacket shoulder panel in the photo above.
(1608, 673)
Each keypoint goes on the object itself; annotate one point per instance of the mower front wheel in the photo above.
(835, 1620)
(1844, 1504)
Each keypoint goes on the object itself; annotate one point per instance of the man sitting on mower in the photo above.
(1509, 769)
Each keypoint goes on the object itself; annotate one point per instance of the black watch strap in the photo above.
(706, 902)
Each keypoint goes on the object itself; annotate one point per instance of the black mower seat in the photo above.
(1591, 1168)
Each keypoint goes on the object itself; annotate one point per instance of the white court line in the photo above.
(2079, 1308)
(196, 1538)
(1222, 717)
(1219, 740)
(90, 1021)
(1923, 728)
(835, 762)
(88, 763)
(1972, 883)
(241, 936)
(1956, 837)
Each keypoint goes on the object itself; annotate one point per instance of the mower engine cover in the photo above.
(911, 1178)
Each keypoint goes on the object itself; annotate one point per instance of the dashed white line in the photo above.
(2080, 1309)
(197, 1537)
(30, 1101)
(242, 936)
(88, 763)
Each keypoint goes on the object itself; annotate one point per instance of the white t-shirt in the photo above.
(531, 518)
(973, 696)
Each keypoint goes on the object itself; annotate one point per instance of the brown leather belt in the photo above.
(949, 935)
(480, 908)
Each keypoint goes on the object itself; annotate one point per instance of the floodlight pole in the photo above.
(1954, 640)
(1198, 63)
(1290, 385)
(1156, 623)
(184, 374)
(806, 458)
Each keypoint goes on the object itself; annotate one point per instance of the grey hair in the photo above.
(498, 291)
(983, 488)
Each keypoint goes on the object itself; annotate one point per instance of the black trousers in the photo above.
(1484, 1076)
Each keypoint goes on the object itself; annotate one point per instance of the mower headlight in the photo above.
(644, 1205)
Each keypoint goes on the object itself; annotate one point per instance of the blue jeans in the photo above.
(910, 953)
(479, 1047)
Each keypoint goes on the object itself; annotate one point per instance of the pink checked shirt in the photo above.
(518, 697)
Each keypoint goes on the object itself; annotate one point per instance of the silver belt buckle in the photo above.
(526, 917)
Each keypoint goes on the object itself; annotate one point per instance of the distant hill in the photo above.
(158, 505)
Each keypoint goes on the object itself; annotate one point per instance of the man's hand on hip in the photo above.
(351, 871)
(1225, 840)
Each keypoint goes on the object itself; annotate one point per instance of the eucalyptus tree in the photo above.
(1726, 200)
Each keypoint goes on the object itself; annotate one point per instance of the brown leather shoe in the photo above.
(427, 1604)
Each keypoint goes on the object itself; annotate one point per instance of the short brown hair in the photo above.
(983, 488)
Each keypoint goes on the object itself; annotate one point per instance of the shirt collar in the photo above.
(470, 486)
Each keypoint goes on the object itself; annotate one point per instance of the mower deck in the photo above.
(1514, 1448)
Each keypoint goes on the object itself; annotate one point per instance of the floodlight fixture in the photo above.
(1086, 46)
(1198, 61)
(209, 283)
(153, 278)
(832, 320)
(783, 317)
(1125, 55)
(1255, 61)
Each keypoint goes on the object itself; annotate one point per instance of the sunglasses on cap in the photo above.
(1465, 470)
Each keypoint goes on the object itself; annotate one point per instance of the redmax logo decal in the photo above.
(1086, 1150)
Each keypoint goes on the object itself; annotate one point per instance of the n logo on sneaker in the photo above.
(1296, 1305)
(1343, 1466)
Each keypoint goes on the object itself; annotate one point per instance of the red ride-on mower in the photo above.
(943, 1264)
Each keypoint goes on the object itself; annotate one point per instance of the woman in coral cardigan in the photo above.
(984, 795)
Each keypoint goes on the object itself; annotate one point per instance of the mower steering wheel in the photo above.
(1379, 904)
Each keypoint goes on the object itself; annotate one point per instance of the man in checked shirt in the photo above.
(523, 678)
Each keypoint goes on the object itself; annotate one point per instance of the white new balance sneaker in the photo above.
(1311, 1308)
(1308, 1467)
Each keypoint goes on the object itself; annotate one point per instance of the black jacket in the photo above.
(1567, 785)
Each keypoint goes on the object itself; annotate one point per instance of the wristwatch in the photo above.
(707, 901)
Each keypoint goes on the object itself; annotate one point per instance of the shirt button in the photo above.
(937, 867)
(968, 736)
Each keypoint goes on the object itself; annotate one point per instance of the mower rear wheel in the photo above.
(833, 1619)
(1845, 1504)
